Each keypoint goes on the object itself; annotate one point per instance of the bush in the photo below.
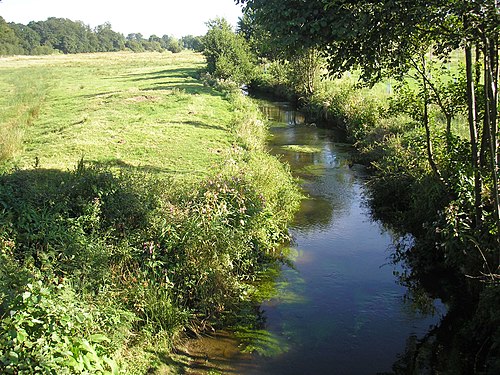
(228, 55)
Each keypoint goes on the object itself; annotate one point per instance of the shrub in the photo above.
(228, 55)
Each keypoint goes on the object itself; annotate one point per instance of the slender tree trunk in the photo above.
(472, 117)
(430, 156)
(491, 116)
(485, 145)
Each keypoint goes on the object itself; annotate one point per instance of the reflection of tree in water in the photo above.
(283, 113)
(464, 341)
(445, 349)
(324, 171)
(315, 213)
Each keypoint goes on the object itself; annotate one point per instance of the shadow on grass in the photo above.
(30, 183)
(121, 164)
(183, 79)
(166, 73)
(202, 125)
(104, 94)
(188, 88)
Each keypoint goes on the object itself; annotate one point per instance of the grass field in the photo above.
(145, 111)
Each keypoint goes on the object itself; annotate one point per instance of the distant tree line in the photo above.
(61, 35)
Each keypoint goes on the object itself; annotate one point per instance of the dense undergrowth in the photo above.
(103, 268)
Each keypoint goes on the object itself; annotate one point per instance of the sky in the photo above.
(171, 17)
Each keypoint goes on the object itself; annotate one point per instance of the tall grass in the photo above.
(21, 105)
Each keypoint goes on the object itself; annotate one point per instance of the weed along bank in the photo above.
(138, 206)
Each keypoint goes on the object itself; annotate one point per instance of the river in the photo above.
(338, 308)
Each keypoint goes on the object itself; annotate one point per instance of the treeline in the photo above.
(61, 35)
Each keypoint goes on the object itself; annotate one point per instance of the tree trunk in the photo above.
(472, 117)
(430, 156)
(491, 115)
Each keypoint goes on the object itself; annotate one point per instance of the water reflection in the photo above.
(350, 318)
(282, 113)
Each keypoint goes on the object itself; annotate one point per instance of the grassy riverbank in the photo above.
(136, 204)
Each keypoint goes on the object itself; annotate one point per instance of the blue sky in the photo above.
(171, 17)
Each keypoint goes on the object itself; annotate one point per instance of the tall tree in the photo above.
(387, 37)
(10, 44)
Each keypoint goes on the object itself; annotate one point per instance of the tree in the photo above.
(65, 35)
(390, 37)
(43, 37)
(10, 44)
(228, 55)
(30, 40)
(194, 43)
(171, 44)
(108, 39)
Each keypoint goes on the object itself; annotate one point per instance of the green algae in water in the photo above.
(275, 285)
(302, 148)
(261, 341)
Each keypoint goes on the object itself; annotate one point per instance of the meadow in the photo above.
(146, 111)
(138, 205)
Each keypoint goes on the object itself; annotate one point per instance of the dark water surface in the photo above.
(339, 310)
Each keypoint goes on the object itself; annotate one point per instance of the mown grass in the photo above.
(138, 197)
(143, 111)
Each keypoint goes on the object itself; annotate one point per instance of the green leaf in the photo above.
(98, 337)
(86, 346)
(21, 335)
(13, 356)
(72, 362)
(112, 364)
(87, 361)
(26, 295)
(80, 318)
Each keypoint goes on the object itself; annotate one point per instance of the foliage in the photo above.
(228, 55)
(45, 330)
(67, 36)
(194, 43)
(10, 44)
(170, 257)
(430, 179)
(109, 40)
(392, 38)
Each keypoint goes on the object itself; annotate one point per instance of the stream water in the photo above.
(339, 308)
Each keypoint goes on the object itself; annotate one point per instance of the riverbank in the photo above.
(138, 204)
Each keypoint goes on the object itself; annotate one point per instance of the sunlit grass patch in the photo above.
(145, 111)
